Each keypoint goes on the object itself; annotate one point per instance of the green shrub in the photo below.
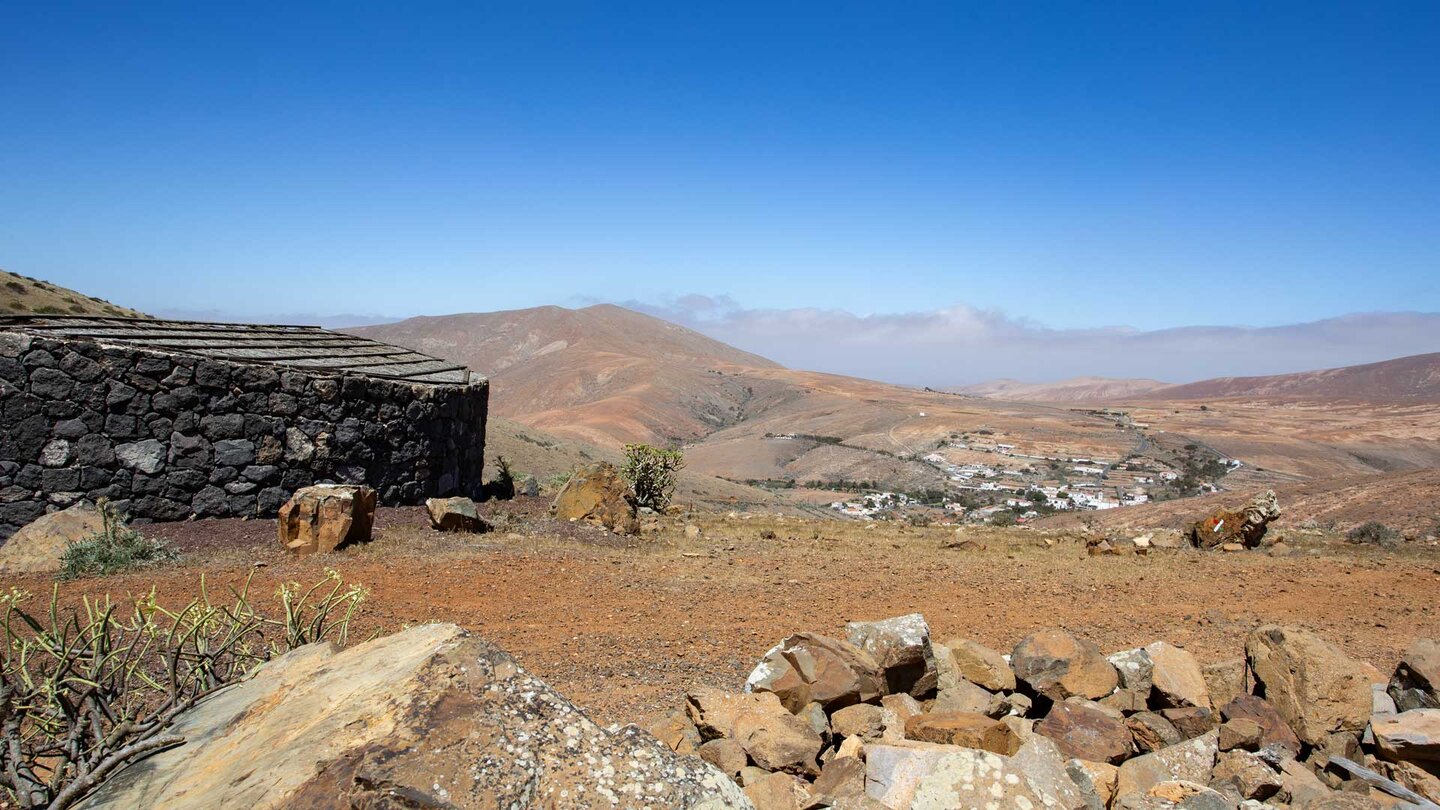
(114, 548)
(86, 689)
(502, 488)
(651, 472)
(1374, 533)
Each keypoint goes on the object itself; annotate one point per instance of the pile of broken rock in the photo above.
(889, 718)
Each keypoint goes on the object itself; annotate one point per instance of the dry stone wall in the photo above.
(168, 436)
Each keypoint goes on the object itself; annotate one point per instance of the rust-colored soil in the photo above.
(624, 626)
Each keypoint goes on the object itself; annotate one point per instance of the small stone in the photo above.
(455, 515)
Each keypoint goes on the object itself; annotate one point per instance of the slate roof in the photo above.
(306, 348)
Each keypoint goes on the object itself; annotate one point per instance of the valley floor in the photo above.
(624, 626)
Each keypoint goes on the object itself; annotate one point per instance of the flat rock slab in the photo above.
(39, 545)
(429, 717)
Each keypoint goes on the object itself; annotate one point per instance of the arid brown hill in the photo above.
(1411, 379)
(22, 295)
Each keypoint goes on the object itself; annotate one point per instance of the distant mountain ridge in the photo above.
(1075, 389)
(1405, 379)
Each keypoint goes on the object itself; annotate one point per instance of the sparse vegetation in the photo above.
(503, 486)
(85, 690)
(116, 547)
(651, 473)
(1374, 533)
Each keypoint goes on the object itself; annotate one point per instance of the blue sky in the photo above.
(1152, 165)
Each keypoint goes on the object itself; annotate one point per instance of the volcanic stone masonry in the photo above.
(172, 419)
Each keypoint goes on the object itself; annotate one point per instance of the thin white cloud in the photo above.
(960, 344)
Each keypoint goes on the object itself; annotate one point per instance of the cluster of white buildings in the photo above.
(872, 504)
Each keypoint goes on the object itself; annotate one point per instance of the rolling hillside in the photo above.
(22, 295)
(1414, 379)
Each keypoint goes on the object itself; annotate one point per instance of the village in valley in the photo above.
(990, 480)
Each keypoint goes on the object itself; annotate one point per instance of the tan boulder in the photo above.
(1412, 736)
(1086, 733)
(1176, 676)
(841, 783)
(1059, 665)
(455, 515)
(1416, 682)
(1245, 774)
(676, 731)
(598, 494)
(1096, 781)
(965, 729)
(981, 665)
(321, 518)
(1241, 733)
(1192, 721)
(39, 545)
(1311, 683)
(810, 667)
(1224, 680)
(902, 647)
(863, 720)
(776, 791)
(428, 717)
(773, 737)
(727, 755)
(962, 696)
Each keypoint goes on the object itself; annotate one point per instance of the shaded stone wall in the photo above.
(169, 436)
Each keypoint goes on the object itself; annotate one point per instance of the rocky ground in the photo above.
(624, 626)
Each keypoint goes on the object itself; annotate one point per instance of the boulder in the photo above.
(39, 545)
(841, 783)
(775, 791)
(902, 648)
(981, 665)
(810, 667)
(1176, 676)
(428, 717)
(1314, 686)
(598, 494)
(1152, 732)
(775, 739)
(962, 696)
(1096, 781)
(455, 515)
(1224, 680)
(321, 518)
(1245, 527)
(1244, 774)
(1058, 665)
(1191, 721)
(1191, 761)
(1412, 736)
(1136, 680)
(727, 755)
(965, 729)
(940, 777)
(863, 720)
(1274, 731)
(1085, 733)
(1416, 682)
(1241, 733)
(675, 730)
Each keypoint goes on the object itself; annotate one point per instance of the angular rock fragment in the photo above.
(1310, 682)
(321, 518)
(1058, 665)
(902, 648)
(810, 667)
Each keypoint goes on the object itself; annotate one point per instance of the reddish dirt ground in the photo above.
(625, 626)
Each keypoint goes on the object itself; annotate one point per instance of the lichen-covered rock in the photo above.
(1135, 671)
(1314, 686)
(926, 776)
(902, 647)
(321, 518)
(455, 515)
(598, 494)
(1192, 761)
(1059, 665)
(40, 544)
(810, 667)
(429, 717)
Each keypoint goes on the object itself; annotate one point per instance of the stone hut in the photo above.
(173, 419)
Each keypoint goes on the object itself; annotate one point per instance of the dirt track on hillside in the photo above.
(625, 626)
